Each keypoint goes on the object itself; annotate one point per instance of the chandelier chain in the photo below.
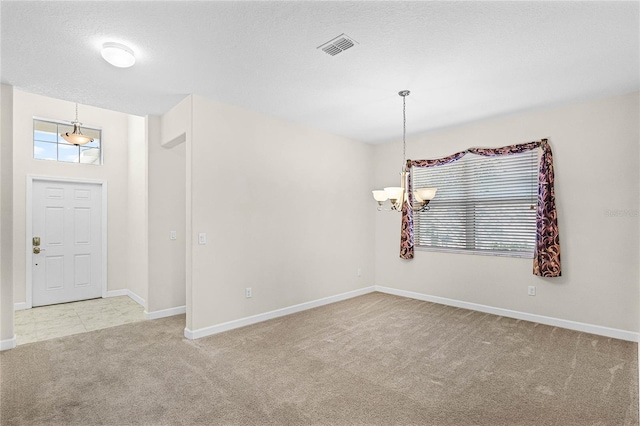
(404, 130)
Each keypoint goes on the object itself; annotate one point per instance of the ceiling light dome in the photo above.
(118, 55)
(76, 137)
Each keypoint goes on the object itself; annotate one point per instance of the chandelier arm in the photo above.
(392, 208)
(420, 209)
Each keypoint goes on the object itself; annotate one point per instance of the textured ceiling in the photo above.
(462, 61)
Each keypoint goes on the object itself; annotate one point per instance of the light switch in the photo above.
(202, 238)
(172, 235)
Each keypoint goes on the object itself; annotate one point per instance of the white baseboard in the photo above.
(126, 292)
(8, 343)
(242, 322)
(555, 322)
(139, 300)
(165, 312)
(116, 293)
(230, 325)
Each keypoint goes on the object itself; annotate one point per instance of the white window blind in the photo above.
(484, 205)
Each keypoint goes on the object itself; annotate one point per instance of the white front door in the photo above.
(67, 219)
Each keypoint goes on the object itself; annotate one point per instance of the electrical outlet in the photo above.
(531, 290)
(202, 238)
(359, 272)
(172, 235)
(247, 292)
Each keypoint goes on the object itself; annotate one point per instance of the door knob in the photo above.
(36, 250)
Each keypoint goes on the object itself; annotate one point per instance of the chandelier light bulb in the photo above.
(118, 55)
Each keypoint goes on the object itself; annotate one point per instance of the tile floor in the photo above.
(48, 322)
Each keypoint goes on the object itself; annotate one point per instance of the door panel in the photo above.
(54, 276)
(82, 225)
(54, 226)
(82, 270)
(67, 218)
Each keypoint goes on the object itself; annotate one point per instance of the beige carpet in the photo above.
(375, 359)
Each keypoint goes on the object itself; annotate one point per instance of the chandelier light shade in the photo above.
(76, 137)
(398, 195)
(424, 194)
(118, 55)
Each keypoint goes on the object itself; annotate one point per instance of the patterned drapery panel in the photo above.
(546, 258)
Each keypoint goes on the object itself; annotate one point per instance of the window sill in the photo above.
(521, 255)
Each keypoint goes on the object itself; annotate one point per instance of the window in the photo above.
(49, 145)
(484, 205)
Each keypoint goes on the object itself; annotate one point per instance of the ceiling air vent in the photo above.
(338, 44)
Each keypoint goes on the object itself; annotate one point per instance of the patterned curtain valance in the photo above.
(546, 259)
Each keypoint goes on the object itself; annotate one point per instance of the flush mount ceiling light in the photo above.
(398, 195)
(118, 55)
(76, 137)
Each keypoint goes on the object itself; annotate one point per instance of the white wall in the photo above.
(115, 133)
(6, 217)
(595, 146)
(137, 223)
(287, 211)
(167, 208)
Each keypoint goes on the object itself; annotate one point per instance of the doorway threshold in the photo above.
(48, 322)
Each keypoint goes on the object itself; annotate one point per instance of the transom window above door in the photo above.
(49, 145)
